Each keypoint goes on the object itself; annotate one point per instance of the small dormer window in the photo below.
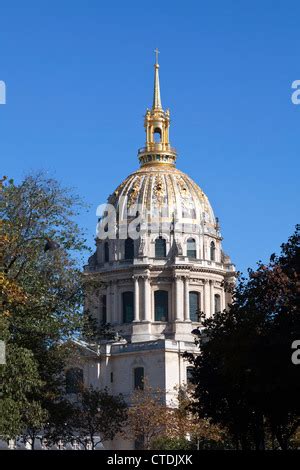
(160, 248)
(191, 248)
(212, 251)
(129, 249)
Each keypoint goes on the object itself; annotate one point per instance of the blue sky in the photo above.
(79, 77)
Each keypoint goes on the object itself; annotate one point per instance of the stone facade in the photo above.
(152, 288)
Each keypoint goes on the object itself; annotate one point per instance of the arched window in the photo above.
(157, 135)
(161, 305)
(128, 307)
(160, 248)
(213, 251)
(191, 248)
(138, 378)
(194, 300)
(129, 248)
(217, 303)
(74, 380)
(106, 252)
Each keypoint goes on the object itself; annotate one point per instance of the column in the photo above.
(179, 298)
(147, 304)
(108, 305)
(136, 299)
(186, 299)
(212, 299)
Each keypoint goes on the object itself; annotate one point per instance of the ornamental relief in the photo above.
(134, 192)
(158, 280)
(183, 189)
(158, 195)
(112, 199)
(197, 281)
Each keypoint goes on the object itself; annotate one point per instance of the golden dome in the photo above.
(158, 191)
(162, 192)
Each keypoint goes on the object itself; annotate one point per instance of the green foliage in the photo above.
(10, 418)
(42, 294)
(171, 443)
(34, 419)
(98, 416)
(245, 379)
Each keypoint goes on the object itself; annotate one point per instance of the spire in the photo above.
(157, 149)
(156, 94)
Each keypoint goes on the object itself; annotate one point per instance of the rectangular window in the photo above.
(139, 378)
(111, 377)
(189, 375)
(194, 306)
(161, 305)
(128, 307)
(74, 380)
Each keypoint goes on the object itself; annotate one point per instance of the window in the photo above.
(111, 377)
(138, 378)
(194, 300)
(161, 305)
(157, 135)
(104, 309)
(74, 380)
(127, 303)
(129, 248)
(160, 248)
(217, 303)
(189, 375)
(212, 251)
(106, 252)
(191, 248)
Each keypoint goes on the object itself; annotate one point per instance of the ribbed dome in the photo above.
(163, 192)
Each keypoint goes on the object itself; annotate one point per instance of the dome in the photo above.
(161, 192)
(158, 193)
(159, 255)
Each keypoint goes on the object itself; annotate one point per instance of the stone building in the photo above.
(158, 263)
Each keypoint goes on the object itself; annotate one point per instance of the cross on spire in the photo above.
(156, 56)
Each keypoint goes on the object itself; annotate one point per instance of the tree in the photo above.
(165, 442)
(41, 290)
(34, 418)
(185, 430)
(98, 416)
(147, 416)
(155, 425)
(244, 377)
